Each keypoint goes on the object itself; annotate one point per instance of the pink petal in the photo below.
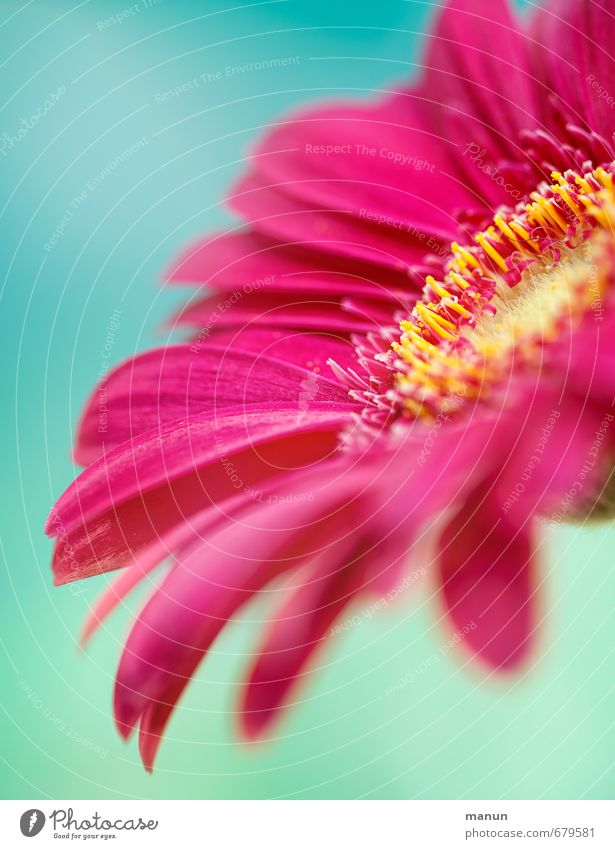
(585, 357)
(178, 382)
(573, 54)
(140, 491)
(480, 89)
(342, 230)
(146, 560)
(309, 312)
(177, 448)
(206, 588)
(298, 631)
(244, 261)
(307, 349)
(394, 497)
(551, 456)
(486, 569)
(360, 196)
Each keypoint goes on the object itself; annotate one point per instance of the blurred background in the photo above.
(394, 711)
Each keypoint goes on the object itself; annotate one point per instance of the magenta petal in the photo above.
(206, 588)
(298, 629)
(244, 262)
(585, 358)
(479, 85)
(179, 382)
(179, 447)
(146, 560)
(384, 186)
(393, 496)
(123, 502)
(298, 312)
(573, 54)
(306, 349)
(551, 461)
(486, 569)
(342, 232)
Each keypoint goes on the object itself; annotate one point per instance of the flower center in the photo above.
(531, 273)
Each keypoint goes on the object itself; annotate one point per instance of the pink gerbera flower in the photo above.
(411, 339)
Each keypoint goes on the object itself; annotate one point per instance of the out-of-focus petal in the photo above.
(487, 572)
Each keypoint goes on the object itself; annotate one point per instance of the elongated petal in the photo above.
(296, 632)
(178, 447)
(146, 560)
(573, 54)
(135, 494)
(479, 87)
(487, 572)
(307, 349)
(245, 261)
(179, 382)
(205, 589)
(378, 506)
(300, 312)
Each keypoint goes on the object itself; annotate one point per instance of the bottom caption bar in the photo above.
(284, 824)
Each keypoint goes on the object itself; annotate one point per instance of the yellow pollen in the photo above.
(458, 280)
(582, 182)
(505, 228)
(466, 257)
(506, 292)
(438, 289)
(520, 230)
(433, 321)
(604, 178)
(547, 211)
(490, 251)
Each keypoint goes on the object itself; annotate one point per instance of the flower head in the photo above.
(410, 340)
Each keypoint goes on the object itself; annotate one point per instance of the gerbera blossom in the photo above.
(405, 355)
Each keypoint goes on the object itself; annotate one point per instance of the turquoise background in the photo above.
(445, 732)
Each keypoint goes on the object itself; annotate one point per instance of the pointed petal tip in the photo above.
(125, 719)
(497, 657)
(256, 724)
(123, 729)
(148, 749)
(254, 727)
(86, 633)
